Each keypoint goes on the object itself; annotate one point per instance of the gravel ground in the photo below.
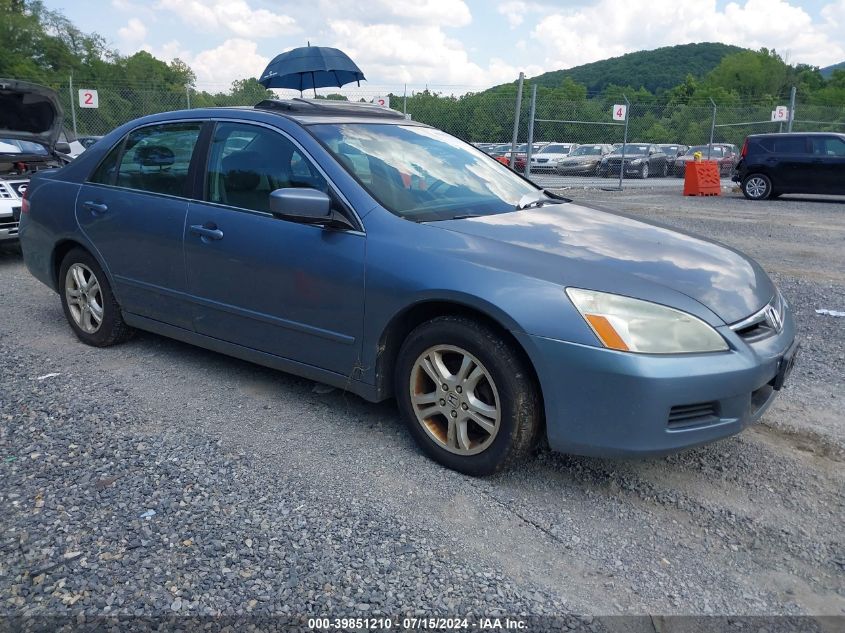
(270, 498)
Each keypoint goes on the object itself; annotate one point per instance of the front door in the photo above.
(133, 210)
(829, 162)
(290, 289)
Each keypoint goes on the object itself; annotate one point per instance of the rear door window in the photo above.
(791, 145)
(156, 158)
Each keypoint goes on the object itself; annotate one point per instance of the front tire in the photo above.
(756, 187)
(88, 302)
(466, 395)
(644, 171)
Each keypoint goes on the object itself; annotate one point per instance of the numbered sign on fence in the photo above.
(88, 98)
(382, 101)
(620, 112)
(781, 113)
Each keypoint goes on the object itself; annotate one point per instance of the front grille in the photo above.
(6, 192)
(688, 415)
(764, 323)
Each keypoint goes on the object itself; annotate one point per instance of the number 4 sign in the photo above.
(88, 99)
(620, 112)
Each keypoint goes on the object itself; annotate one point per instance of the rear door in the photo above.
(290, 289)
(133, 210)
(829, 162)
(793, 166)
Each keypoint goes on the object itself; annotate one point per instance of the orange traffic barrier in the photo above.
(702, 178)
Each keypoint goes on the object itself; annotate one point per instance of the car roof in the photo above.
(792, 134)
(307, 111)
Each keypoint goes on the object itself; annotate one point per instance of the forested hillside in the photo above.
(654, 70)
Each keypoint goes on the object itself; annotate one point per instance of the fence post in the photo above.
(405, 101)
(188, 95)
(791, 109)
(624, 140)
(527, 171)
(72, 104)
(516, 119)
(712, 129)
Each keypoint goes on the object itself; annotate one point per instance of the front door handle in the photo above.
(95, 207)
(207, 232)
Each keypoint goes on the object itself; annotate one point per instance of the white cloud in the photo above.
(216, 68)
(236, 16)
(610, 28)
(514, 11)
(415, 54)
(447, 13)
(133, 33)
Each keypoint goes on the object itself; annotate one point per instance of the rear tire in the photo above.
(88, 302)
(482, 414)
(756, 187)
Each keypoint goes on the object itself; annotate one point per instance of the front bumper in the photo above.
(613, 169)
(9, 222)
(607, 403)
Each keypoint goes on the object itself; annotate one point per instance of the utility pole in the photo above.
(188, 95)
(791, 109)
(712, 129)
(530, 130)
(516, 119)
(72, 103)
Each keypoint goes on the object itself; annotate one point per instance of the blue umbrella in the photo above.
(310, 67)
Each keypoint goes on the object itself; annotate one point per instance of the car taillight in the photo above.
(25, 201)
(744, 149)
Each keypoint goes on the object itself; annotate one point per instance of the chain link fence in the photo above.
(576, 144)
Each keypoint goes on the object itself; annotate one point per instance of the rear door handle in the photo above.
(207, 232)
(95, 207)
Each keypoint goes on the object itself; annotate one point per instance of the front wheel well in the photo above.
(403, 323)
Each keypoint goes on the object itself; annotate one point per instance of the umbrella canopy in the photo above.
(310, 67)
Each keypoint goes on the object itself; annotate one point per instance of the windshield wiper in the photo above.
(528, 201)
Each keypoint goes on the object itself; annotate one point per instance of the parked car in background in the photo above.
(720, 154)
(88, 141)
(30, 125)
(74, 146)
(496, 312)
(672, 151)
(584, 160)
(546, 157)
(642, 160)
(519, 155)
(806, 162)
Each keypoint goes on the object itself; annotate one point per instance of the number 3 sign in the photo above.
(619, 112)
(88, 99)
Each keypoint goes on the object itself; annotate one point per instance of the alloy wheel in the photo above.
(756, 187)
(84, 298)
(455, 399)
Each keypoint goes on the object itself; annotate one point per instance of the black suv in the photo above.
(807, 162)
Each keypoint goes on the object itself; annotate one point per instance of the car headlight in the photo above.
(604, 161)
(636, 161)
(634, 325)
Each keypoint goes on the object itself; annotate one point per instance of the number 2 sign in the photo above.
(619, 112)
(88, 98)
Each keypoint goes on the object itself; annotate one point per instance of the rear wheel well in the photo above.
(59, 252)
(402, 324)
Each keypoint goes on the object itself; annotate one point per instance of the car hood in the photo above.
(29, 112)
(610, 246)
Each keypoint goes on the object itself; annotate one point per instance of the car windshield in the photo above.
(714, 151)
(632, 150)
(587, 150)
(421, 173)
(554, 149)
(15, 146)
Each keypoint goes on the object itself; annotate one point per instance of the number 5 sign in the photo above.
(620, 112)
(88, 99)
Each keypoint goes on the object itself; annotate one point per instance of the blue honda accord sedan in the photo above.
(347, 244)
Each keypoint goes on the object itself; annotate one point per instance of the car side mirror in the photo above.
(301, 205)
(63, 148)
